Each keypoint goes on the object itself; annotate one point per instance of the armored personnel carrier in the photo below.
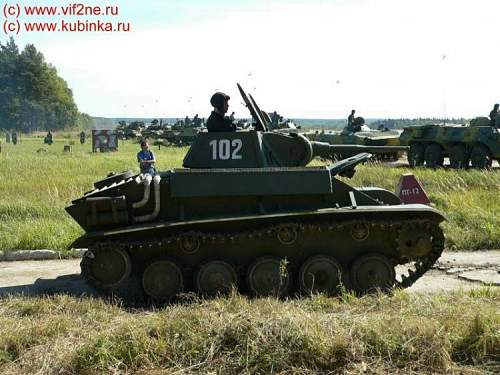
(246, 212)
(476, 145)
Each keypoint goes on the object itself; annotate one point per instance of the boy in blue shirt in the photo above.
(146, 159)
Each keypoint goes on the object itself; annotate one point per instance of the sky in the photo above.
(304, 58)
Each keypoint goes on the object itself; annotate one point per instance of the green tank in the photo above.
(245, 212)
(476, 145)
(182, 135)
(385, 145)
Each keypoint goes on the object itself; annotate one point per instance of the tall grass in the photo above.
(457, 333)
(36, 186)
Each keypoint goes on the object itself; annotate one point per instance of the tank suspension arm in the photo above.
(156, 210)
(147, 189)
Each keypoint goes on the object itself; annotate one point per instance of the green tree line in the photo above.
(32, 95)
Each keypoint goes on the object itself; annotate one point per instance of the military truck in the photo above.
(245, 212)
(476, 145)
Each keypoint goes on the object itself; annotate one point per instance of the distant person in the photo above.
(146, 159)
(217, 122)
(493, 115)
(48, 139)
(275, 118)
(7, 137)
(196, 121)
(350, 119)
(82, 137)
(231, 117)
(14, 138)
(187, 121)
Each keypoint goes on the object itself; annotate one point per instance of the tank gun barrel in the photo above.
(328, 151)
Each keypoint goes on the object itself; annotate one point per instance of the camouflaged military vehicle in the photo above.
(476, 145)
(246, 212)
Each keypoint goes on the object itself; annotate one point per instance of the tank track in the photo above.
(415, 268)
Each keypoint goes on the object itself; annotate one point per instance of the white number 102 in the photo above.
(225, 149)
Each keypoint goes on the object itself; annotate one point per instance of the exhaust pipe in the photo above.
(156, 210)
(147, 188)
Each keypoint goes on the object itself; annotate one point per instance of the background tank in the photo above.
(365, 137)
(477, 144)
(181, 135)
(382, 144)
(244, 211)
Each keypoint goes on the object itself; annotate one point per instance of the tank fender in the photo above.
(82, 242)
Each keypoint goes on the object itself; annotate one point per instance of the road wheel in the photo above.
(106, 268)
(458, 157)
(216, 277)
(372, 272)
(162, 280)
(320, 274)
(416, 155)
(268, 276)
(480, 157)
(433, 155)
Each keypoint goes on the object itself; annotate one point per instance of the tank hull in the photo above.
(308, 215)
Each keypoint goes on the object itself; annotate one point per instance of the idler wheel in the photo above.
(162, 280)
(320, 274)
(216, 277)
(268, 276)
(106, 268)
(371, 272)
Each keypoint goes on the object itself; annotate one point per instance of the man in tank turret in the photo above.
(493, 115)
(218, 122)
(146, 159)
(350, 120)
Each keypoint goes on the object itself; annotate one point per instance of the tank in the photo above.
(246, 212)
(181, 135)
(385, 145)
(475, 145)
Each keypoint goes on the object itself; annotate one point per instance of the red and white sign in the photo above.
(409, 190)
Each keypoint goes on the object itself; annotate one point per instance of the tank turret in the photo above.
(246, 212)
(257, 149)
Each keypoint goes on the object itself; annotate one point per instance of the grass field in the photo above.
(379, 334)
(36, 186)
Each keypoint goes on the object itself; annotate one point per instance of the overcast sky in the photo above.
(305, 59)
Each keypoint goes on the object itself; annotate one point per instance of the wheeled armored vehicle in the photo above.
(245, 212)
(476, 145)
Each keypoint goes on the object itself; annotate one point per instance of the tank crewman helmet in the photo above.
(218, 99)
